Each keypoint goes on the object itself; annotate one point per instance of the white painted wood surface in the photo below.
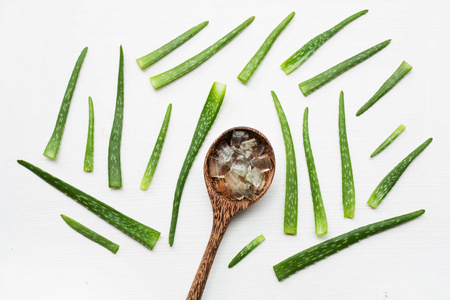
(42, 258)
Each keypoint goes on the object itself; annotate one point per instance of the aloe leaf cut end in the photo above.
(55, 140)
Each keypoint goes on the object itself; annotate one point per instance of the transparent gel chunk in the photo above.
(251, 154)
(240, 167)
(242, 190)
(217, 167)
(262, 162)
(237, 138)
(225, 152)
(256, 177)
(249, 144)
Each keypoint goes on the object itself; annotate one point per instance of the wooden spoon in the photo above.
(224, 208)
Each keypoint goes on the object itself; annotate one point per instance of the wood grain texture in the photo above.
(224, 209)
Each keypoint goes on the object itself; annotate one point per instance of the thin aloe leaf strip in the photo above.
(314, 83)
(389, 140)
(321, 251)
(246, 250)
(162, 51)
(254, 62)
(55, 140)
(320, 217)
(89, 154)
(291, 197)
(192, 63)
(391, 178)
(114, 165)
(299, 57)
(401, 71)
(348, 185)
(90, 234)
(156, 153)
(205, 121)
(140, 232)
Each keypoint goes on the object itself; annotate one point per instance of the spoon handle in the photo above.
(220, 224)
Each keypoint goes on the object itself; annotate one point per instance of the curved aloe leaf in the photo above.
(291, 198)
(401, 71)
(246, 250)
(299, 57)
(321, 251)
(53, 144)
(207, 117)
(389, 140)
(391, 178)
(90, 234)
(254, 62)
(312, 84)
(348, 185)
(145, 235)
(320, 217)
(154, 158)
(89, 154)
(162, 51)
(192, 63)
(114, 165)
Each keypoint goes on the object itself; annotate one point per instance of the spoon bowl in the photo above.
(223, 206)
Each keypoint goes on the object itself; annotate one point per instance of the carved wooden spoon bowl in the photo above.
(224, 208)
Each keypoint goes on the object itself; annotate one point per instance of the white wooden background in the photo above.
(42, 258)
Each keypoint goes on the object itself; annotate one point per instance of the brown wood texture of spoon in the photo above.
(224, 208)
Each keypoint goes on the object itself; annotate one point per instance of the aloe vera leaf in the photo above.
(145, 235)
(154, 158)
(291, 197)
(55, 140)
(389, 140)
(314, 83)
(192, 63)
(89, 154)
(162, 51)
(254, 62)
(391, 178)
(348, 185)
(299, 57)
(401, 71)
(246, 250)
(320, 217)
(321, 251)
(114, 165)
(90, 234)
(205, 121)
